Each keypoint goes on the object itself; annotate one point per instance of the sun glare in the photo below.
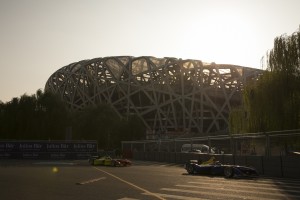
(221, 37)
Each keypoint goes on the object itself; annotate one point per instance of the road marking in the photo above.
(219, 193)
(131, 184)
(177, 197)
(240, 186)
(90, 181)
(250, 181)
(241, 189)
(248, 192)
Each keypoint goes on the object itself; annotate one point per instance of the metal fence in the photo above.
(264, 144)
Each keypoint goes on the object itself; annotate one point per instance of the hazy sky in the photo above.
(37, 37)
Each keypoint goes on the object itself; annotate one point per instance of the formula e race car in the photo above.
(212, 167)
(108, 161)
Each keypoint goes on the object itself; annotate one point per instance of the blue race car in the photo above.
(212, 167)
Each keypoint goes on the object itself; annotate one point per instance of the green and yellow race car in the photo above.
(109, 161)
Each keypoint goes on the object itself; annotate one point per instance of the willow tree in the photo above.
(284, 62)
(273, 101)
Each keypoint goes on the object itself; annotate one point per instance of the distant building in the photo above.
(170, 95)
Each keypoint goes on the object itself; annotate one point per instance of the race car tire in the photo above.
(190, 169)
(228, 172)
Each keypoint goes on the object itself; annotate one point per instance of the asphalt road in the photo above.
(74, 180)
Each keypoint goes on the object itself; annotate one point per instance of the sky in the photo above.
(38, 37)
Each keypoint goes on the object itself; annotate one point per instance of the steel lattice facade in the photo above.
(169, 94)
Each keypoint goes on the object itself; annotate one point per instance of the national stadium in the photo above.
(171, 96)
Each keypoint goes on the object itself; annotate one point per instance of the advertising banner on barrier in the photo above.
(48, 149)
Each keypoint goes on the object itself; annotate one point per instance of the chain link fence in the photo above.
(276, 143)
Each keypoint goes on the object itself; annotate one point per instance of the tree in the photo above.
(133, 128)
(97, 122)
(44, 116)
(39, 116)
(53, 114)
(273, 101)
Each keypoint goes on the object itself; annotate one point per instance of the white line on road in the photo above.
(265, 187)
(249, 191)
(90, 181)
(177, 197)
(229, 196)
(131, 184)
